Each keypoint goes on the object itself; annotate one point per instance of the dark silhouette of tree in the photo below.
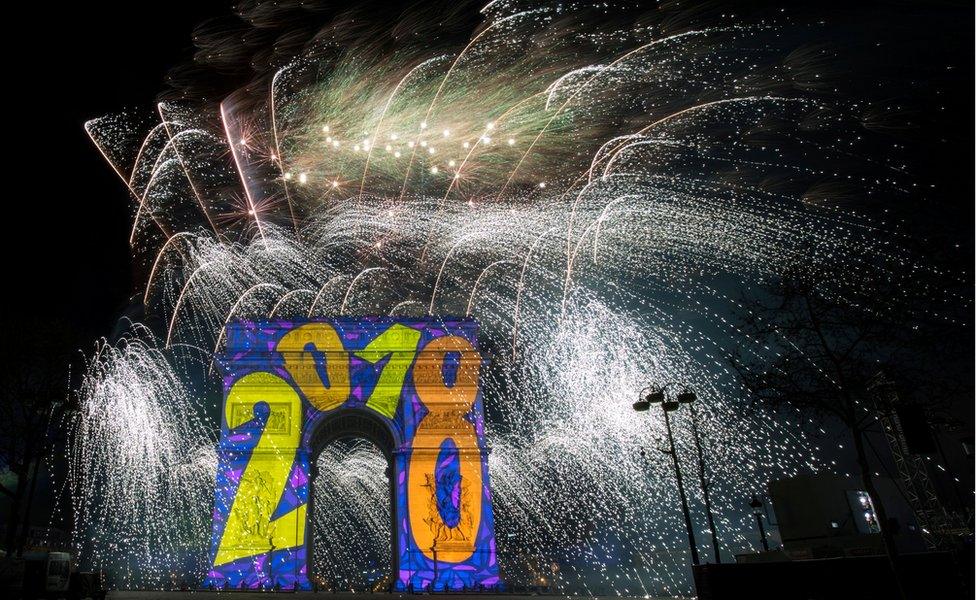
(33, 397)
(834, 333)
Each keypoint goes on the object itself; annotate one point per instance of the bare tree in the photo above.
(827, 345)
(33, 392)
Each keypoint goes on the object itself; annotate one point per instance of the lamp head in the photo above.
(641, 405)
(655, 396)
(687, 396)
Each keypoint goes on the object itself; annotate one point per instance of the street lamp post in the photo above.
(705, 485)
(757, 506)
(656, 396)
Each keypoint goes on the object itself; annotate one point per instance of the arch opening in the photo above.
(352, 534)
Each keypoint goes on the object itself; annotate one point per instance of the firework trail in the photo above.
(592, 184)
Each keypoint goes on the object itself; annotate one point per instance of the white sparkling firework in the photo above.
(594, 195)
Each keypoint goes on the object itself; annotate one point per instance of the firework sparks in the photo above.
(590, 194)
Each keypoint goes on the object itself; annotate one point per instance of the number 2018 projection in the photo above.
(289, 385)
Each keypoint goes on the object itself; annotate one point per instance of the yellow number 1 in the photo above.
(400, 343)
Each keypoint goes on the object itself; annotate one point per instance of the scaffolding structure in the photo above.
(935, 523)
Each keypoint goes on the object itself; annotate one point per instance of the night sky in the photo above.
(66, 246)
(68, 241)
(68, 215)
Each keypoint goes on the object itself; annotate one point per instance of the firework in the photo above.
(589, 184)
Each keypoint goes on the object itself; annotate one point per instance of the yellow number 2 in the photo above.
(249, 529)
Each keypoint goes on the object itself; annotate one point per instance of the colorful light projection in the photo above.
(284, 380)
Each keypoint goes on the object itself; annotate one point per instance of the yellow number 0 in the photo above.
(445, 420)
(301, 364)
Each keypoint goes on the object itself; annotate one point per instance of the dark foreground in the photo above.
(234, 595)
